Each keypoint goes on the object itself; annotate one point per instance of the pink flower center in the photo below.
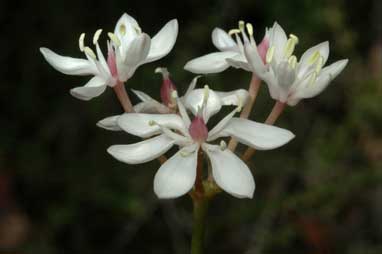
(198, 130)
(111, 62)
(165, 91)
(262, 48)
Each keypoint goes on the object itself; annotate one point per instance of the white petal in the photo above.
(68, 65)
(177, 175)
(151, 107)
(254, 59)
(239, 62)
(235, 97)
(95, 87)
(142, 96)
(304, 63)
(211, 63)
(192, 85)
(110, 123)
(230, 172)
(126, 29)
(257, 135)
(139, 124)
(194, 101)
(163, 41)
(278, 39)
(223, 41)
(143, 151)
(136, 53)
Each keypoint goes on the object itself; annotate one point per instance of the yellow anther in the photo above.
(122, 29)
(174, 94)
(314, 57)
(292, 61)
(81, 42)
(115, 39)
(312, 78)
(294, 37)
(96, 36)
(269, 55)
(239, 104)
(241, 25)
(185, 153)
(88, 51)
(137, 29)
(249, 29)
(289, 47)
(152, 123)
(319, 65)
(233, 31)
(223, 145)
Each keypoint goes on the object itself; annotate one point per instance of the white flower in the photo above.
(192, 96)
(290, 80)
(232, 51)
(128, 48)
(177, 175)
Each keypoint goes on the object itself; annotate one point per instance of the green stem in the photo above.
(198, 228)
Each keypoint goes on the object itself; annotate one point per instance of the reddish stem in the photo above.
(123, 97)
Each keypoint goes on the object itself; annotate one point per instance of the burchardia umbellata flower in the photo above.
(128, 48)
(177, 175)
(288, 79)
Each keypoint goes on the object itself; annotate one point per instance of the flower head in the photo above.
(232, 53)
(288, 79)
(167, 130)
(127, 49)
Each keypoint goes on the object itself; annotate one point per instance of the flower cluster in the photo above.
(182, 121)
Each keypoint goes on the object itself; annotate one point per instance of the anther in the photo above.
(90, 52)
(206, 93)
(292, 61)
(81, 42)
(233, 31)
(249, 29)
(96, 36)
(240, 103)
(269, 55)
(122, 29)
(174, 94)
(152, 123)
(241, 25)
(320, 62)
(115, 39)
(313, 78)
(314, 57)
(289, 48)
(294, 38)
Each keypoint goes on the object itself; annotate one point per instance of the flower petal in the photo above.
(305, 61)
(95, 87)
(139, 124)
(192, 85)
(163, 42)
(235, 97)
(177, 175)
(136, 53)
(68, 65)
(194, 101)
(254, 60)
(110, 123)
(230, 172)
(257, 135)
(151, 107)
(239, 62)
(223, 41)
(210, 63)
(143, 151)
(126, 29)
(278, 39)
(142, 96)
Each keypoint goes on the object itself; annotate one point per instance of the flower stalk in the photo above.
(278, 108)
(123, 97)
(253, 90)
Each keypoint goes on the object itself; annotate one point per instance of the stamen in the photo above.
(223, 145)
(249, 29)
(137, 29)
(241, 25)
(96, 36)
(320, 62)
(292, 61)
(163, 71)
(152, 123)
(289, 48)
(269, 55)
(233, 31)
(314, 57)
(294, 37)
(81, 42)
(185, 153)
(174, 94)
(115, 39)
(122, 29)
(206, 94)
(90, 53)
(313, 78)
(240, 103)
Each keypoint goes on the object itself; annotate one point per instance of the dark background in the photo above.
(60, 192)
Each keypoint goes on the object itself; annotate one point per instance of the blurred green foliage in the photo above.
(321, 193)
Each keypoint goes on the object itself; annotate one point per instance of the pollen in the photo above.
(81, 42)
(269, 55)
(96, 36)
(115, 39)
(88, 51)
